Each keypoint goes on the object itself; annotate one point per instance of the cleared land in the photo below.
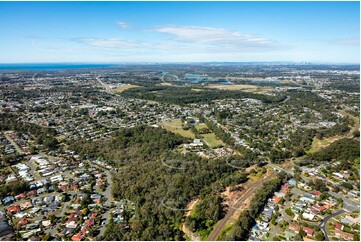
(317, 144)
(124, 87)
(212, 140)
(241, 203)
(201, 126)
(242, 87)
(189, 234)
(175, 126)
(165, 84)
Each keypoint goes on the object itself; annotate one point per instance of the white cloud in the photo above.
(187, 41)
(347, 41)
(111, 43)
(123, 25)
(216, 36)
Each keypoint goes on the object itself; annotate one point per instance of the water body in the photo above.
(166, 73)
(51, 67)
(265, 82)
(225, 83)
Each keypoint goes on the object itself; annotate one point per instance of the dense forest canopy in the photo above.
(160, 192)
(344, 150)
(185, 95)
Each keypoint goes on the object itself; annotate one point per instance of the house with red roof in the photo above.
(339, 227)
(13, 209)
(73, 217)
(276, 199)
(77, 237)
(314, 211)
(63, 188)
(20, 196)
(23, 222)
(90, 222)
(309, 231)
(74, 187)
(31, 193)
(285, 187)
(294, 227)
(316, 193)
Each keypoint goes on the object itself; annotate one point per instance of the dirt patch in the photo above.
(185, 230)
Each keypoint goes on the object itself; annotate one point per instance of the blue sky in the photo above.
(115, 32)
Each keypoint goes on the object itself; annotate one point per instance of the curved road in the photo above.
(322, 225)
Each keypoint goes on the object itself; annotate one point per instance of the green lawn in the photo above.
(212, 140)
(200, 126)
(175, 126)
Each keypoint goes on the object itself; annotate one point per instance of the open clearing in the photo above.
(317, 144)
(185, 230)
(165, 84)
(212, 140)
(201, 126)
(175, 126)
(242, 202)
(242, 87)
(124, 87)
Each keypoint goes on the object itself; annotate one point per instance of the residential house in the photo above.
(344, 235)
(13, 209)
(309, 231)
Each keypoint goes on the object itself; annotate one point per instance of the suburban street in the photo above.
(322, 225)
(13, 143)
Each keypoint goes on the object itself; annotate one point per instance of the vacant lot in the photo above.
(124, 87)
(200, 126)
(242, 87)
(175, 126)
(165, 84)
(212, 140)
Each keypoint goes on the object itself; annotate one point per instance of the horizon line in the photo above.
(183, 62)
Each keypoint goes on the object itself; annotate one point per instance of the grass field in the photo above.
(318, 144)
(242, 87)
(200, 126)
(165, 84)
(212, 140)
(124, 87)
(175, 126)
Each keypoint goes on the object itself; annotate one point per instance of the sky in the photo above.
(121, 32)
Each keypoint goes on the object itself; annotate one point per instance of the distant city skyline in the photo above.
(124, 32)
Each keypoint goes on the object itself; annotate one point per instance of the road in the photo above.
(348, 204)
(281, 169)
(165, 74)
(20, 151)
(284, 216)
(322, 225)
(287, 98)
(108, 196)
(106, 87)
(236, 206)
